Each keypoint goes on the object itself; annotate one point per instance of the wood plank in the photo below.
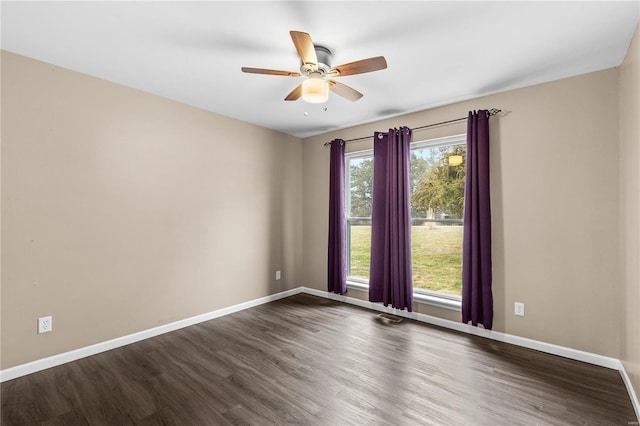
(308, 360)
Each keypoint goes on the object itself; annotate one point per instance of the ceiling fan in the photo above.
(316, 66)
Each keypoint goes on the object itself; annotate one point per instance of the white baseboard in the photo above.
(632, 393)
(588, 357)
(63, 358)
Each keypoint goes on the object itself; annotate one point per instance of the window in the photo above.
(437, 198)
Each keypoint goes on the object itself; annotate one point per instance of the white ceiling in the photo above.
(437, 52)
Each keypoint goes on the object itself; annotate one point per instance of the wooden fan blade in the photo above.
(295, 94)
(344, 91)
(270, 72)
(359, 67)
(304, 46)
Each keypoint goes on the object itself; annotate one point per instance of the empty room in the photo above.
(320, 213)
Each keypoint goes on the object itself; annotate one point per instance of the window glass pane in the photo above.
(361, 186)
(437, 182)
(360, 248)
(436, 250)
(437, 196)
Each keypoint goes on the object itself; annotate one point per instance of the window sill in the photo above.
(426, 299)
(440, 302)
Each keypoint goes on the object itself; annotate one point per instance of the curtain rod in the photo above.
(492, 112)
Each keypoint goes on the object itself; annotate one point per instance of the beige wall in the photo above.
(554, 203)
(629, 110)
(0, 213)
(116, 217)
(122, 211)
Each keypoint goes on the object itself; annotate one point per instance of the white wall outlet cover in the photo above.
(45, 325)
(277, 275)
(518, 309)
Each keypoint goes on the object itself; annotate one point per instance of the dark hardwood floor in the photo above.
(309, 361)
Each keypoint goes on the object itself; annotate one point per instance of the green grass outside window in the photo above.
(436, 253)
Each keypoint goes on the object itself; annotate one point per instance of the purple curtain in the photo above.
(477, 298)
(337, 264)
(390, 275)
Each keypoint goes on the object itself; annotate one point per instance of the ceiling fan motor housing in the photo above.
(324, 62)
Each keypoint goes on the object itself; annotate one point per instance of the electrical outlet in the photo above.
(45, 325)
(518, 309)
(277, 275)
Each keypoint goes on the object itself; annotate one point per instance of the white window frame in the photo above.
(442, 300)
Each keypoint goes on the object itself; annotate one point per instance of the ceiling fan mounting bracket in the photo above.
(324, 62)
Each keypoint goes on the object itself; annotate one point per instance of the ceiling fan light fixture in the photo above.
(315, 90)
